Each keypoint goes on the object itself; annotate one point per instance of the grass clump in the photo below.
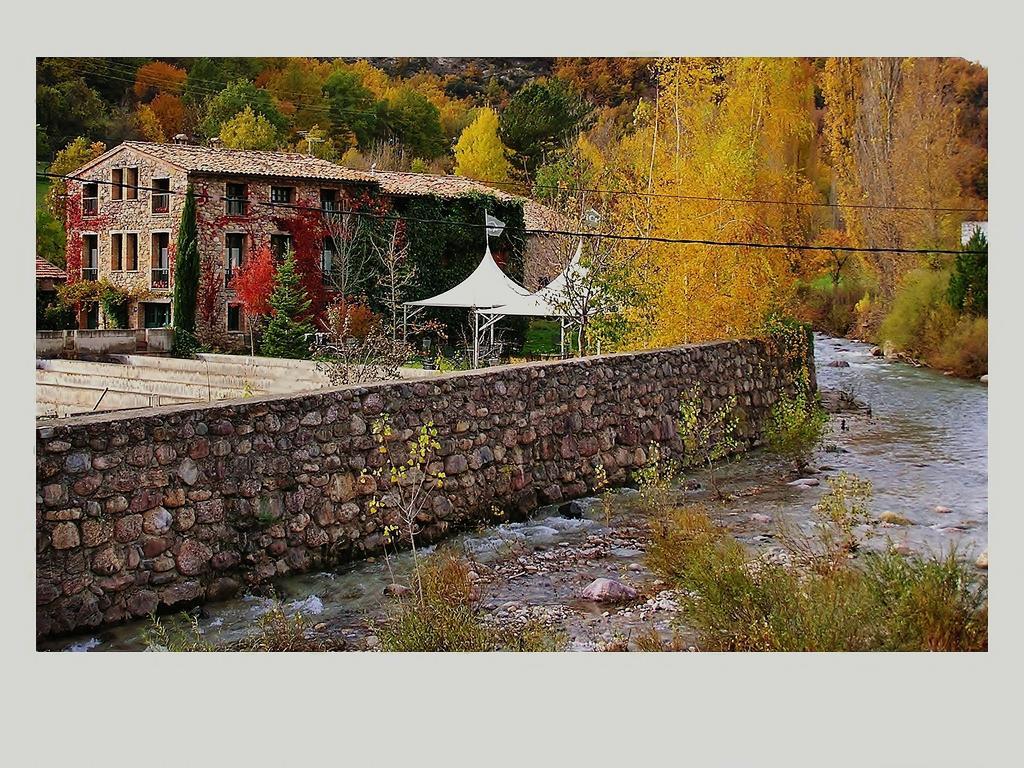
(445, 616)
(816, 597)
(276, 631)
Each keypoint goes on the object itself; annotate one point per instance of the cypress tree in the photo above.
(186, 278)
(286, 333)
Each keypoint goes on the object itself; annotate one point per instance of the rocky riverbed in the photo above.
(920, 437)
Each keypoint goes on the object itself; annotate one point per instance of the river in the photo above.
(924, 446)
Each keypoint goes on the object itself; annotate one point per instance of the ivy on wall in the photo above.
(445, 254)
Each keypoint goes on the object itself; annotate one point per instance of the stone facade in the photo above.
(159, 508)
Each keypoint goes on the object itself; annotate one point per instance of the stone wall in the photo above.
(159, 508)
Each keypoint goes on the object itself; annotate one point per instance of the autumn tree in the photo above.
(253, 283)
(169, 110)
(158, 77)
(186, 277)
(479, 153)
(289, 332)
(718, 128)
(247, 130)
(68, 160)
(149, 125)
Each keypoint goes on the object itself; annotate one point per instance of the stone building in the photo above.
(124, 209)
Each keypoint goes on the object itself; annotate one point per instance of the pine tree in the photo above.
(968, 285)
(186, 278)
(288, 330)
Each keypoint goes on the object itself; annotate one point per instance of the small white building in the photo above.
(968, 228)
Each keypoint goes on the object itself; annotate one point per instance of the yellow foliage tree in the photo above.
(149, 124)
(247, 130)
(719, 128)
(479, 153)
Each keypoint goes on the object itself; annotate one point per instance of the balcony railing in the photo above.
(160, 279)
(90, 206)
(90, 273)
(228, 276)
(161, 202)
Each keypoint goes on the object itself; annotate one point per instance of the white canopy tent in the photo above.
(486, 287)
(549, 301)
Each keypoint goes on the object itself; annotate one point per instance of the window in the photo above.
(160, 272)
(328, 200)
(90, 257)
(132, 184)
(281, 195)
(131, 251)
(280, 245)
(116, 252)
(156, 315)
(116, 183)
(90, 199)
(234, 199)
(235, 317)
(161, 198)
(327, 258)
(234, 254)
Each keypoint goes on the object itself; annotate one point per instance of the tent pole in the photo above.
(561, 336)
(405, 322)
(476, 339)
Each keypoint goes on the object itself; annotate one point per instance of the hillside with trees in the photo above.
(834, 154)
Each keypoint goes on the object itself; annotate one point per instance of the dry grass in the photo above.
(738, 601)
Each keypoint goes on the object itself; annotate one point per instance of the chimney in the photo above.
(214, 142)
(180, 138)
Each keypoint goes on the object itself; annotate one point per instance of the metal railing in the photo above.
(90, 206)
(161, 202)
(160, 278)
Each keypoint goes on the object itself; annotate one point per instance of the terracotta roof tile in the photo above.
(412, 184)
(46, 270)
(249, 162)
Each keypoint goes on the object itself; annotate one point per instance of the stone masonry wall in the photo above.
(160, 508)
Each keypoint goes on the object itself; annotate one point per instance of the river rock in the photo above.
(762, 519)
(876, 351)
(604, 590)
(983, 379)
(805, 482)
(838, 364)
(982, 561)
(943, 510)
(572, 509)
(894, 518)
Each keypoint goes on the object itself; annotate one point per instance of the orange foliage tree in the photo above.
(253, 284)
(158, 77)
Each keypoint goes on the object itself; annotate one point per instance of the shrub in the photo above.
(444, 617)
(920, 313)
(275, 631)
(707, 435)
(828, 602)
(965, 350)
(795, 427)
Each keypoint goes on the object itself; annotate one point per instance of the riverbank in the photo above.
(923, 447)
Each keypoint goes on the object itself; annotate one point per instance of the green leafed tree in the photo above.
(353, 108)
(288, 332)
(479, 153)
(968, 285)
(247, 130)
(541, 118)
(234, 99)
(416, 123)
(186, 278)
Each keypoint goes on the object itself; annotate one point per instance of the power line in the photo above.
(530, 231)
(711, 198)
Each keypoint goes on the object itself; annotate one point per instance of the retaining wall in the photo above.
(164, 507)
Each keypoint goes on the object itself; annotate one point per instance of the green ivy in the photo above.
(446, 253)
